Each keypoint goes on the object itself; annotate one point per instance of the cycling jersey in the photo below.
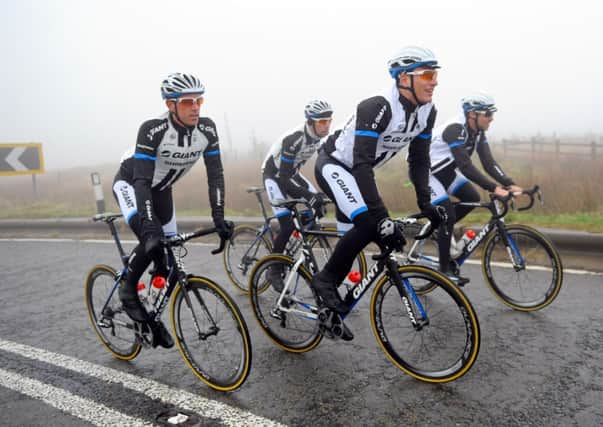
(382, 126)
(165, 151)
(452, 146)
(286, 156)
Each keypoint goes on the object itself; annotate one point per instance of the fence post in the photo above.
(557, 149)
(593, 150)
(533, 149)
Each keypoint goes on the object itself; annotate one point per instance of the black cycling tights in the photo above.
(466, 193)
(286, 225)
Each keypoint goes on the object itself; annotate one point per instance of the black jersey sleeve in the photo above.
(372, 116)
(455, 136)
(149, 136)
(490, 165)
(291, 145)
(419, 162)
(213, 165)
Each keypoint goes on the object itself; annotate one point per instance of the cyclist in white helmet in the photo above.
(402, 115)
(166, 148)
(282, 178)
(452, 170)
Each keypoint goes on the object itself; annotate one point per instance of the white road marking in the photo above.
(85, 409)
(228, 415)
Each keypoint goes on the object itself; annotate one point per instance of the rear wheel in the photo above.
(112, 325)
(292, 324)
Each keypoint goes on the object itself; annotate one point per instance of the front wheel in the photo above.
(525, 272)
(112, 325)
(247, 245)
(446, 344)
(211, 334)
(291, 322)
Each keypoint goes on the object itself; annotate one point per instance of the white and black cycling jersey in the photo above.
(382, 126)
(165, 151)
(287, 155)
(452, 145)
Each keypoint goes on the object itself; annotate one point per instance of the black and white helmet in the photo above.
(318, 109)
(479, 101)
(409, 58)
(178, 84)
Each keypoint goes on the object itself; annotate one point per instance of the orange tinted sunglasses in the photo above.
(426, 75)
(189, 102)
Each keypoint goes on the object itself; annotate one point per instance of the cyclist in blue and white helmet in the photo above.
(282, 177)
(453, 172)
(166, 148)
(381, 126)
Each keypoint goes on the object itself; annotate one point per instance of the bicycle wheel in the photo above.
(530, 283)
(442, 350)
(293, 326)
(211, 334)
(323, 248)
(112, 325)
(243, 250)
(425, 253)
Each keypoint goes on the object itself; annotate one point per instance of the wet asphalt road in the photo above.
(542, 368)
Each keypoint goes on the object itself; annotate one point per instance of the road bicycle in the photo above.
(520, 265)
(209, 330)
(433, 337)
(251, 243)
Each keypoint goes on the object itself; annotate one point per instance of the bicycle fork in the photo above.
(414, 309)
(512, 250)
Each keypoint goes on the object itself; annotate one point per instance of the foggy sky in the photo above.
(81, 76)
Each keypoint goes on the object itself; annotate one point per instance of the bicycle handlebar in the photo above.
(511, 198)
(178, 239)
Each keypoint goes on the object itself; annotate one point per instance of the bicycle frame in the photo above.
(496, 222)
(384, 261)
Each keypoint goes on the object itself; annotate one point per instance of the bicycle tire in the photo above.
(228, 346)
(531, 288)
(237, 267)
(441, 351)
(114, 328)
(296, 332)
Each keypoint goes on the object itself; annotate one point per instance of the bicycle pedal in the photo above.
(330, 324)
(143, 334)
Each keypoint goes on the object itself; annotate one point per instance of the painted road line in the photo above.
(229, 415)
(85, 409)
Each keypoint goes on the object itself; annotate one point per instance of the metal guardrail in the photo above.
(564, 240)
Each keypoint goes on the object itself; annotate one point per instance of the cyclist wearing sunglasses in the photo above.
(401, 116)
(452, 170)
(166, 149)
(282, 178)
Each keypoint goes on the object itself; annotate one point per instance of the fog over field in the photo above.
(81, 76)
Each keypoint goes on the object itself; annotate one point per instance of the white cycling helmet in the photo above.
(479, 101)
(179, 84)
(318, 109)
(409, 58)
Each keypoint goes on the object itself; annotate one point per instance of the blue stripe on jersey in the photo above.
(130, 216)
(439, 200)
(459, 185)
(424, 135)
(212, 153)
(456, 144)
(144, 156)
(287, 159)
(370, 133)
(358, 212)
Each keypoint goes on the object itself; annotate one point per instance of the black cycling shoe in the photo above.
(327, 292)
(161, 336)
(132, 305)
(275, 277)
(456, 278)
(347, 335)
